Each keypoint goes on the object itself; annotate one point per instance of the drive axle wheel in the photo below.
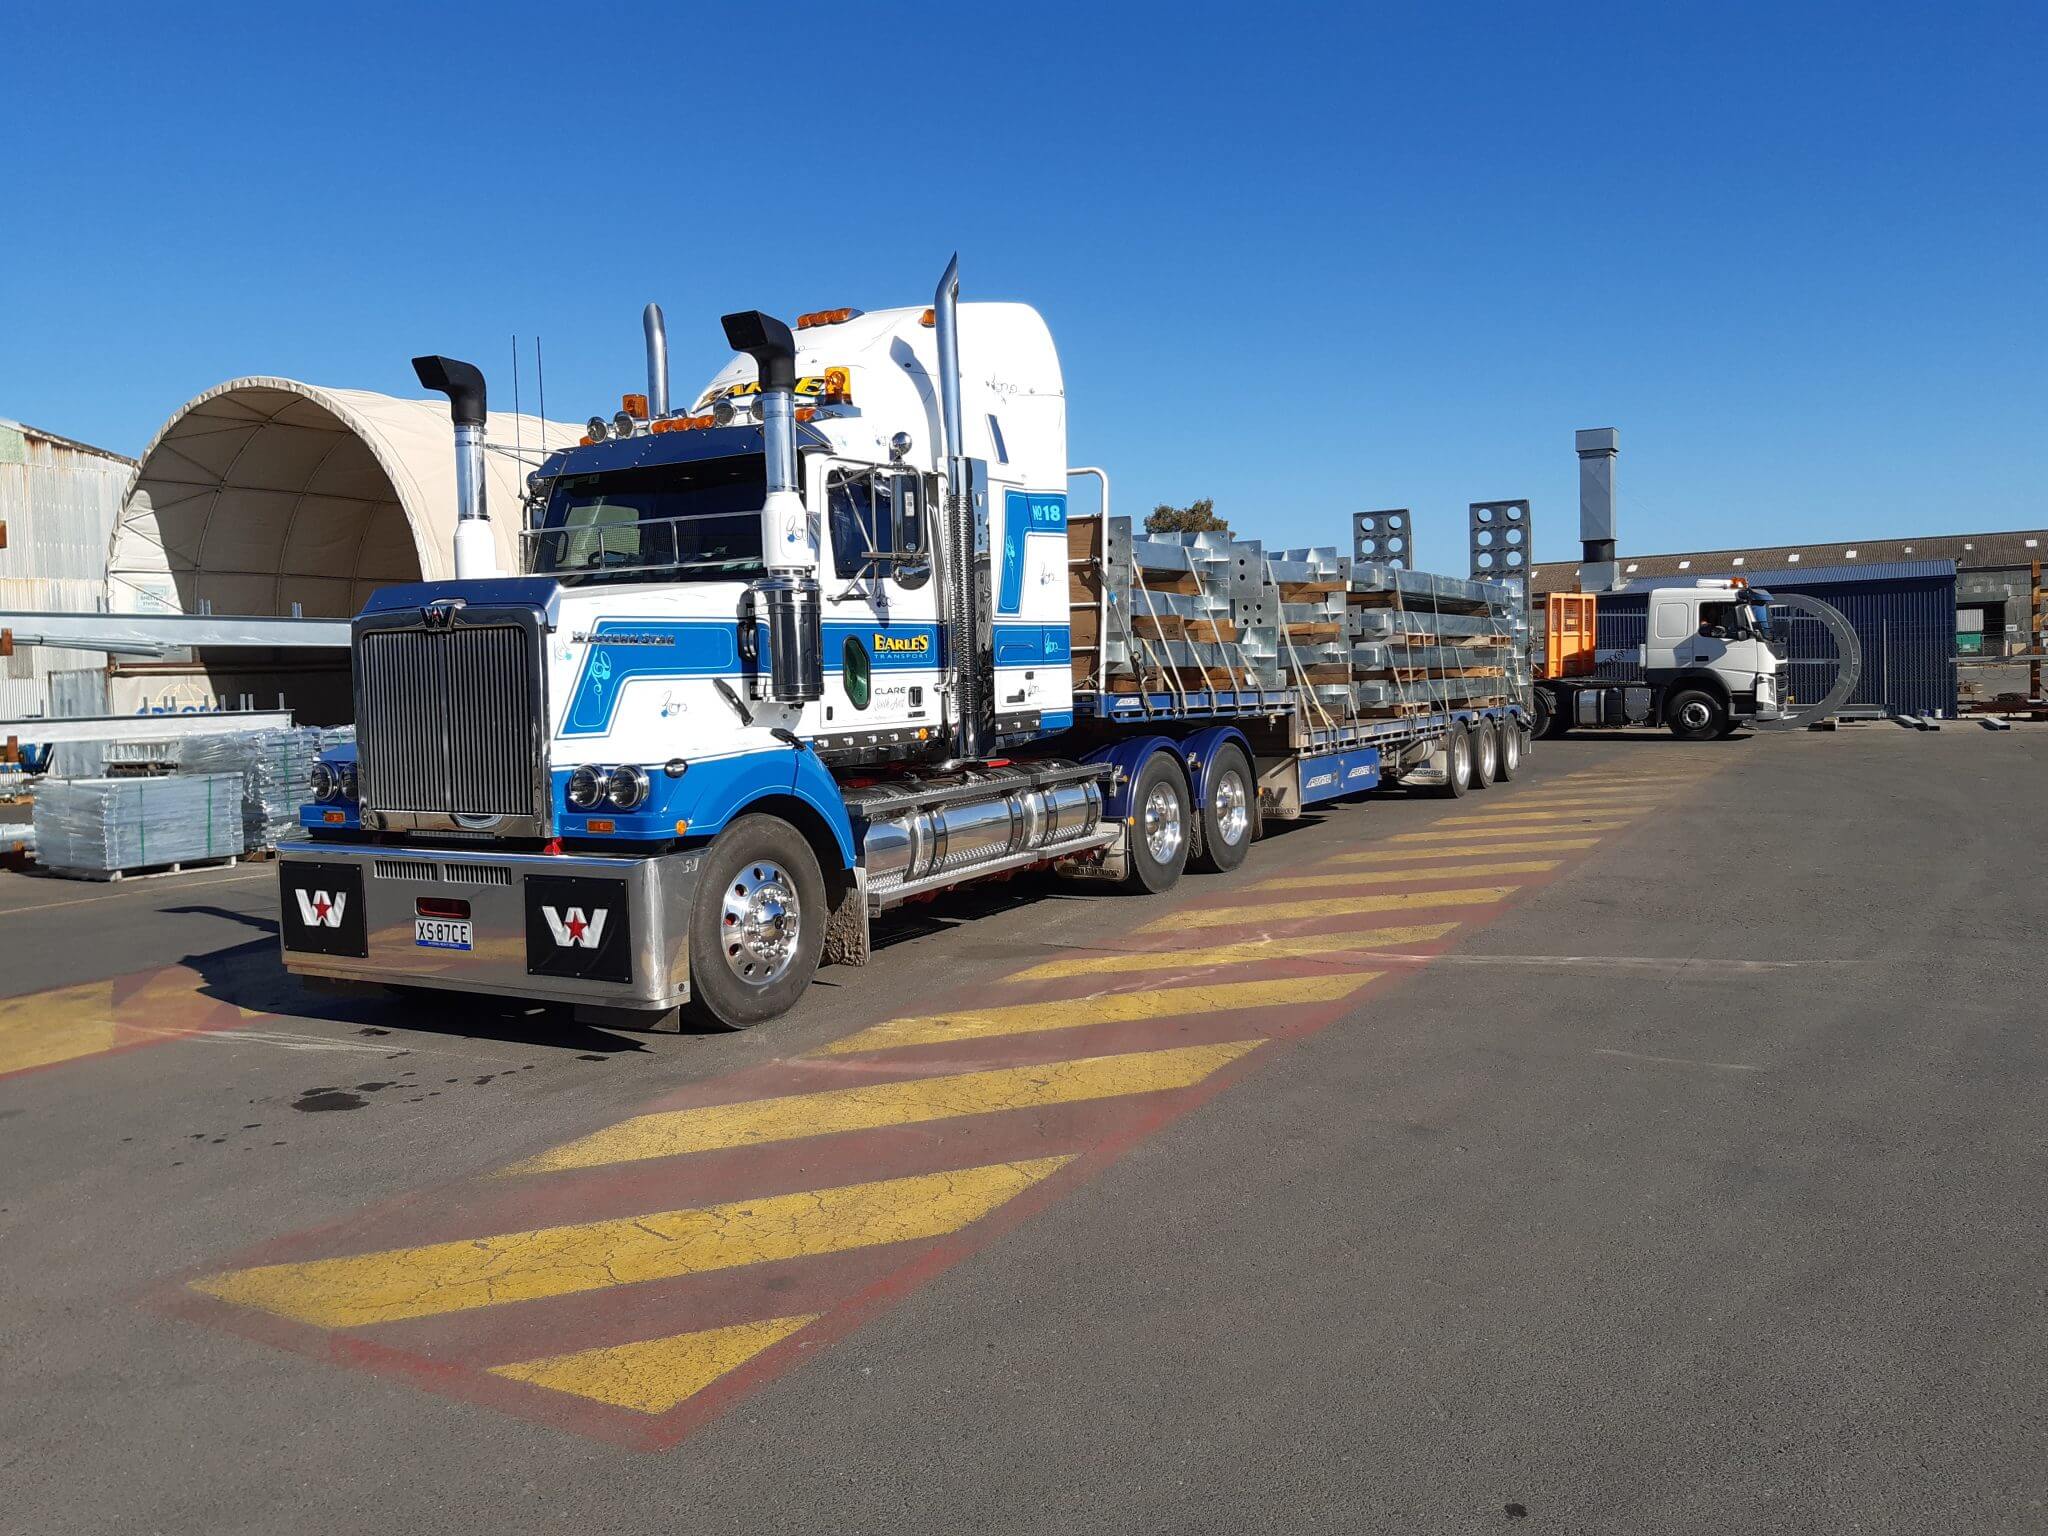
(1158, 828)
(757, 927)
(1226, 811)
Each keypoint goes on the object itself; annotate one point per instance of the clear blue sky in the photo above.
(1303, 260)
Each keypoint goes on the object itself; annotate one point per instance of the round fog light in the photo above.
(586, 788)
(324, 781)
(626, 787)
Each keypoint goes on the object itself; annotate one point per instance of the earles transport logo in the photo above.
(573, 928)
(319, 910)
(902, 645)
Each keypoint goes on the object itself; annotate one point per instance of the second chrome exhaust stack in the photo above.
(962, 602)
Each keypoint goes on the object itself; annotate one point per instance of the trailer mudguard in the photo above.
(1128, 757)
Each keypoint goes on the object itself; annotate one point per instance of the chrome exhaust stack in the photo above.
(789, 541)
(962, 604)
(476, 552)
(657, 362)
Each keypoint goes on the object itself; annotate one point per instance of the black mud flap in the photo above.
(320, 908)
(578, 927)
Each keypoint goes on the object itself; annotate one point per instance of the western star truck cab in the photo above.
(773, 663)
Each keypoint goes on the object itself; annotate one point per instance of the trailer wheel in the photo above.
(1158, 825)
(1485, 754)
(1226, 811)
(758, 926)
(1509, 754)
(1457, 766)
(1695, 715)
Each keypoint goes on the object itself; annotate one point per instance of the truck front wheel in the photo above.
(1553, 714)
(757, 927)
(1695, 715)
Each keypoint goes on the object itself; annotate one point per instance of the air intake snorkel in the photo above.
(789, 541)
(476, 552)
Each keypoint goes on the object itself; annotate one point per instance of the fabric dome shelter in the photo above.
(263, 493)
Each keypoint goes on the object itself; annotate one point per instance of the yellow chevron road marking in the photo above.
(57, 1025)
(1356, 877)
(1459, 850)
(1615, 798)
(1515, 815)
(1106, 1008)
(1118, 962)
(1333, 906)
(654, 1375)
(1461, 834)
(673, 1133)
(591, 1256)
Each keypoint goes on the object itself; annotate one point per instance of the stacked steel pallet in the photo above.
(1312, 642)
(1171, 613)
(1421, 643)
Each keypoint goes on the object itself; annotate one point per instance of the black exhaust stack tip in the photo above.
(462, 383)
(767, 341)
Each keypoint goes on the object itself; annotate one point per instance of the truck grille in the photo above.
(445, 722)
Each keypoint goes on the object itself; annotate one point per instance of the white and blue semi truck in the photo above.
(772, 665)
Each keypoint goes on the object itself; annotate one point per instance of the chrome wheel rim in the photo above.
(1163, 832)
(1233, 809)
(1488, 760)
(761, 923)
(1511, 750)
(1459, 757)
(1695, 715)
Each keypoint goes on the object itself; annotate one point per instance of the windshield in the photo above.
(701, 519)
(1759, 616)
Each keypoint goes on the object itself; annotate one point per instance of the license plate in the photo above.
(441, 933)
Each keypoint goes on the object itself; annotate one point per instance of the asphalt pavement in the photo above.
(1652, 1144)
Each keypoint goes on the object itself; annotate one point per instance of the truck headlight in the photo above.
(626, 787)
(323, 781)
(586, 788)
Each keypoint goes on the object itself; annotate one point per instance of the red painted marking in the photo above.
(449, 1354)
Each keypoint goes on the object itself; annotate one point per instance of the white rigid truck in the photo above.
(774, 664)
(1709, 662)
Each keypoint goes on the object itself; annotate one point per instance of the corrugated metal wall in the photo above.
(59, 501)
(1906, 623)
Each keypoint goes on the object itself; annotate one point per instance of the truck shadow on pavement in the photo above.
(250, 976)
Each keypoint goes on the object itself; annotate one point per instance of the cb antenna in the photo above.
(518, 436)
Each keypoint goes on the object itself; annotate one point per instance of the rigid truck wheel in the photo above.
(1695, 715)
(1159, 824)
(758, 925)
(1226, 811)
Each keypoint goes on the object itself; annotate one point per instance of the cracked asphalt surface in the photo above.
(1699, 1190)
